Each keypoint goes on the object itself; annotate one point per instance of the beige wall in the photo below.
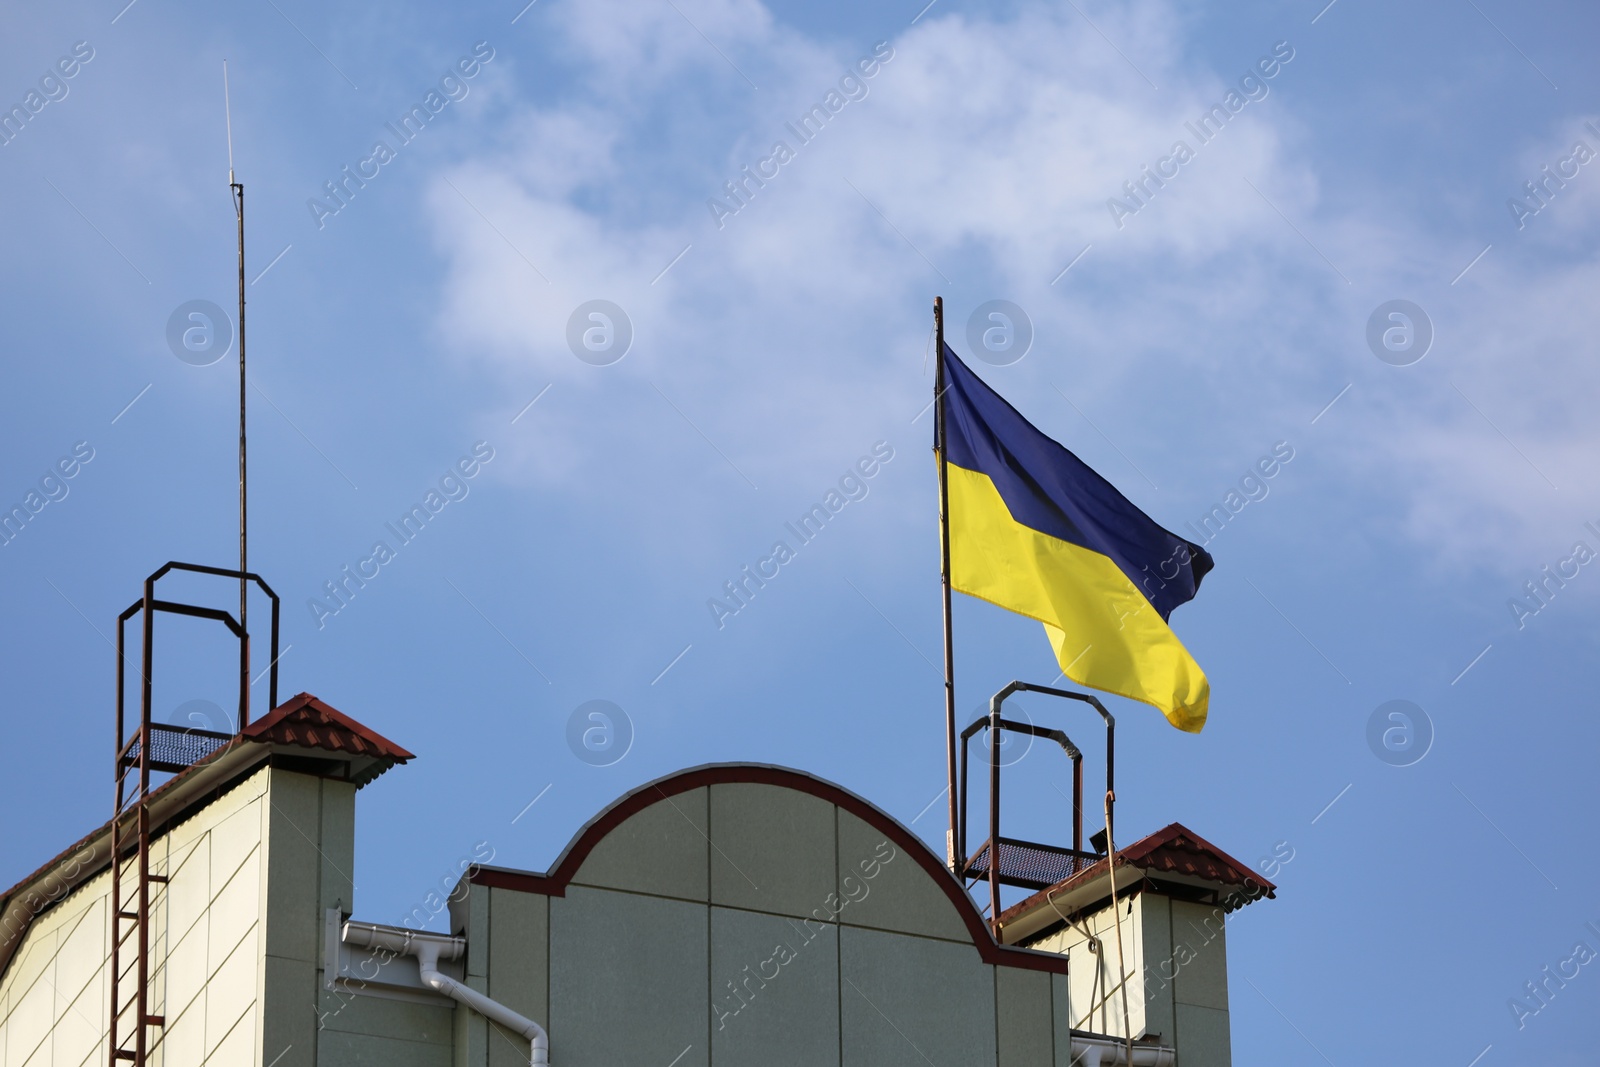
(235, 970)
(1093, 999)
(1175, 953)
(205, 944)
(52, 998)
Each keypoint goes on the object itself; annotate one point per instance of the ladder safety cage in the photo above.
(164, 749)
(1011, 861)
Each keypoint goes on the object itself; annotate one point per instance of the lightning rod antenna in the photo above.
(236, 190)
(227, 111)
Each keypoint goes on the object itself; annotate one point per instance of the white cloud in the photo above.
(791, 336)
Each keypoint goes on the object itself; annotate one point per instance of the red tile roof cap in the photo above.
(1176, 849)
(307, 722)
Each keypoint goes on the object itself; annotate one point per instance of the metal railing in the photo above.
(1027, 864)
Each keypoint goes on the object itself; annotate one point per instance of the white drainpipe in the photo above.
(428, 949)
(1097, 1051)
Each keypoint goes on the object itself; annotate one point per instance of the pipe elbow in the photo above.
(427, 955)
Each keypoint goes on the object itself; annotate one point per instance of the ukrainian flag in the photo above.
(1035, 531)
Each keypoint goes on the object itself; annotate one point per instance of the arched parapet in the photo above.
(749, 913)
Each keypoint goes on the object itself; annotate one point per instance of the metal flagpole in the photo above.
(956, 863)
(237, 189)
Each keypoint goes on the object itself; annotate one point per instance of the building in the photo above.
(730, 914)
(725, 915)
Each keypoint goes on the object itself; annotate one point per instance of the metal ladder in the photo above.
(158, 748)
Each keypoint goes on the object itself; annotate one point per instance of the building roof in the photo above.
(1174, 859)
(303, 732)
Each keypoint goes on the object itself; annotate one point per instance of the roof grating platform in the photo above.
(1032, 865)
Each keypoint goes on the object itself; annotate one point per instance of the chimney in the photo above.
(1175, 891)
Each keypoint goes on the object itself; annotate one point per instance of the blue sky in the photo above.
(1198, 327)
